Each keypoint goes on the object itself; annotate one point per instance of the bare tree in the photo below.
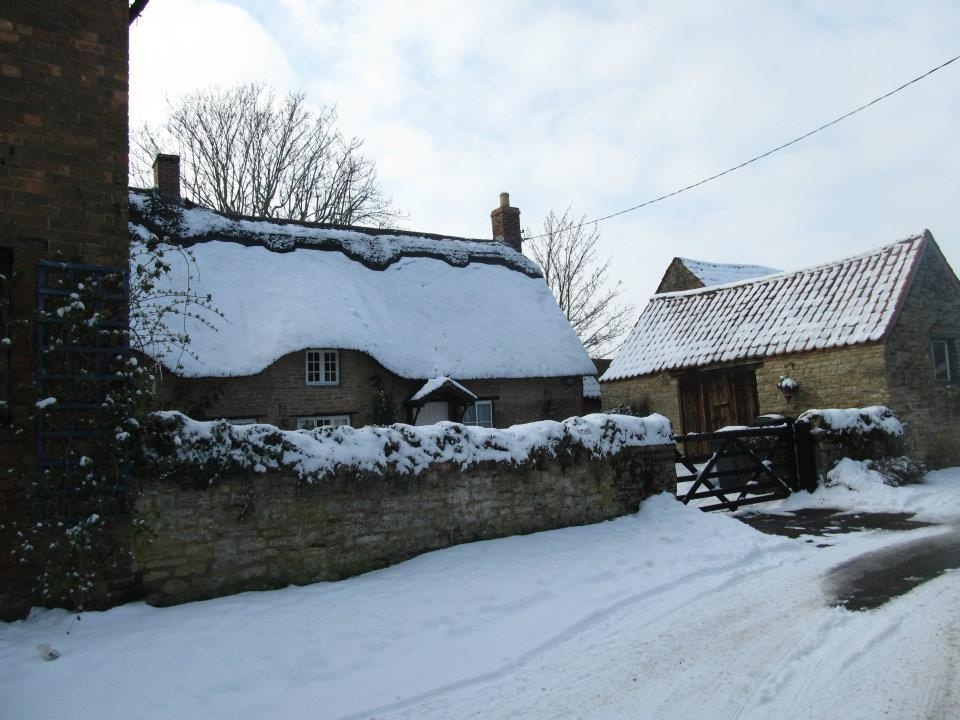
(243, 150)
(566, 250)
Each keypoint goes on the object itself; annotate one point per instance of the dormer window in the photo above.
(943, 362)
(323, 367)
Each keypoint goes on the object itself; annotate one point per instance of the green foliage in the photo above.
(384, 411)
(93, 396)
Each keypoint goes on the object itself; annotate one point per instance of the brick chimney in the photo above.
(506, 223)
(166, 176)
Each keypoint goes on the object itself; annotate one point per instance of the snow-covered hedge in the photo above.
(854, 421)
(210, 448)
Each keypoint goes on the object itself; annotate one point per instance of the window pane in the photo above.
(485, 414)
(470, 416)
(941, 361)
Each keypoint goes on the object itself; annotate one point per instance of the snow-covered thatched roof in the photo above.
(422, 305)
(847, 302)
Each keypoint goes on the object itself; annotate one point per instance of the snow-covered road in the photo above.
(669, 613)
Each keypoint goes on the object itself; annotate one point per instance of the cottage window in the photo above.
(479, 413)
(312, 422)
(943, 362)
(323, 367)
(244, 421)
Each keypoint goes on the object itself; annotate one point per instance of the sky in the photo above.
(602, 105)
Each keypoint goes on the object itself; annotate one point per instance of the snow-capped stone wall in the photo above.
(298, 507)
(869, 433)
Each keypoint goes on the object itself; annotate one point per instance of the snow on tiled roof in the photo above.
(847, 302)
(720, 274)
(423, 306)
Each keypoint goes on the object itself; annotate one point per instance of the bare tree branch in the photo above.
(567, 254)
(243, 150)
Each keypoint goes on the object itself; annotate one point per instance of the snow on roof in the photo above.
(591, 388)
(846, 302)
(434, 384)
(374, 247)
(720, 274)
(431, 310)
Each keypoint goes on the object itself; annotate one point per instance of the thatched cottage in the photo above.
(879, 328)
(328, 325)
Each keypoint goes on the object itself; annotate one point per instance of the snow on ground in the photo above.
(853, 485)
(668, 613)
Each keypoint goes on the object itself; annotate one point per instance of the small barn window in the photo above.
(479, 413)
(943, 359)
(312, 422)
(323, 367)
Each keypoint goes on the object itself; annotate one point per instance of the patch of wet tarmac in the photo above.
(870, 580)
(827, 521)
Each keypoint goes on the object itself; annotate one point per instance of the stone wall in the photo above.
(646, 394)
(63, 195)
(835, 378)
(266, 531)
(279, 394)
(843, 377)
(930, 409)
(678, 277)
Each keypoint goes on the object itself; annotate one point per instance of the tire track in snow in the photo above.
(749, 565)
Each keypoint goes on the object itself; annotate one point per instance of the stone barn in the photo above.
(879, 328)
(329, 325)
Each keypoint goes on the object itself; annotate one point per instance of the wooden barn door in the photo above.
(710, 401)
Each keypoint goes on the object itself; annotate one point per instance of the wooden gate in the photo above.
(745, 466)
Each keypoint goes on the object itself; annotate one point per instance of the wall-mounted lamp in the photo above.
(787, 387)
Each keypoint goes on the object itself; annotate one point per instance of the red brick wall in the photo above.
(63, 186)
(278, 394)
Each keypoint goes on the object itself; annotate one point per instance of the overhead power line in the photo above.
(762, 156)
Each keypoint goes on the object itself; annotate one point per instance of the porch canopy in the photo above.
(440, 398)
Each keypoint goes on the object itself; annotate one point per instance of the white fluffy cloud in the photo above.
(607, 104)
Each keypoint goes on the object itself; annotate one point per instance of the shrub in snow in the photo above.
(900, 470)
(75, 547)
(864, 475)
(179, 446)
(854, 421)
(870, 434)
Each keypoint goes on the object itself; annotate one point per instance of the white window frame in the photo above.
(312, 422)
(322, 366)
(948, 350)
(475, 422)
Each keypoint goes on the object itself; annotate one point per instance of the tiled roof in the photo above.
(847, 302)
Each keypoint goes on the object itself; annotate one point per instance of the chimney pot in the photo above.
(506, 223)
(166, 176)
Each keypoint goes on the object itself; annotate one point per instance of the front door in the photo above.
(433, 412)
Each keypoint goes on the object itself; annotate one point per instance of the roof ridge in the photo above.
(365, 229)
(787, 273)
(187, 224)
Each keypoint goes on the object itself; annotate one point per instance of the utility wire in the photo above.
(758, 157)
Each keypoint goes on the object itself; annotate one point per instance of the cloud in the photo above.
(181, 45)
(606, 104)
